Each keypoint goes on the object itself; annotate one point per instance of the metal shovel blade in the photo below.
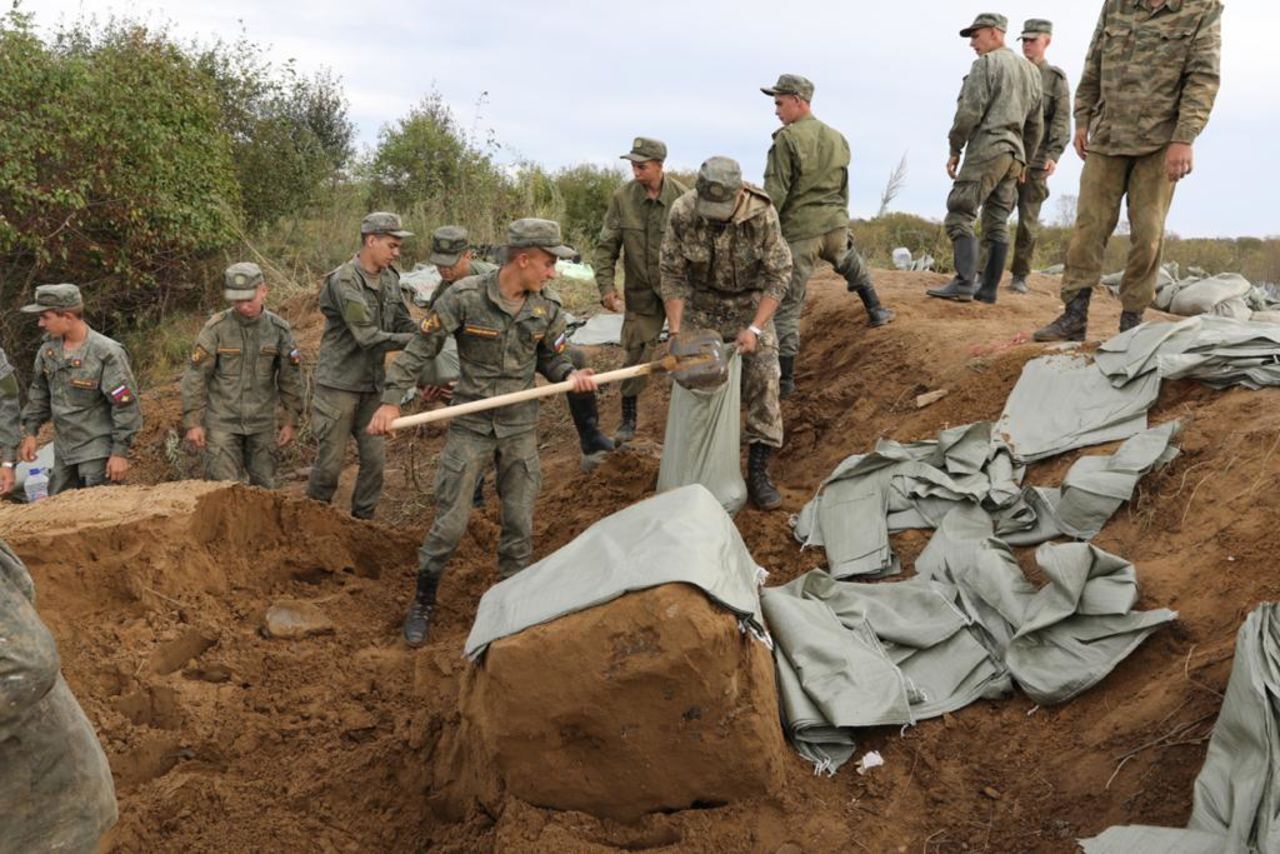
(702, 359)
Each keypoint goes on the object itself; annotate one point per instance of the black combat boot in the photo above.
(1071, 324)
(627, 426)
(996, 256)
(582, 406)
(877, 315)
(418, 620)
(964, 285)
(760, 488)
(1129, 319)
(787, 385)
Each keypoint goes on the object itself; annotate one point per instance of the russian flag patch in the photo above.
(121, 394)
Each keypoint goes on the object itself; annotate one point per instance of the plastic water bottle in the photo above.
(36, 485)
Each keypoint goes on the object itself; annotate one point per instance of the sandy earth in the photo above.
(222, 739)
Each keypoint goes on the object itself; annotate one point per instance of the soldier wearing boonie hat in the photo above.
(243, 366)
(83, 383)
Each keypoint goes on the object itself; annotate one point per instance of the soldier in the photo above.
(998, 125)
(82, 381)
(633, 228)
(1150, 79)
(10, 423)
(55, 783)
(364, 319)
(454, 260)
(725, 267)
(1037, 34)
(506, 327)
(243, 365)
(807, 177)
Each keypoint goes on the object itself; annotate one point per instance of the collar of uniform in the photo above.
(1171, 5)
(371, 280)
(665, 196)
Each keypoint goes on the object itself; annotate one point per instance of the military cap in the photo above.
(542, 233)
(644, 149)
(719, 182)
(1036, 27)
(791, 84)
(986, 19)
(382, 222)
(241, 281)
(447, 245)
(54, 297)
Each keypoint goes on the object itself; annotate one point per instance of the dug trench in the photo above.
(223, 738)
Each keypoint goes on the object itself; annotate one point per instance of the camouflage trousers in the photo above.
(989, 185)
(1105, 182)
(761, 374)
(836, 248)
(1031, 196)
(66, 476)
(639, 339)
(232, 456)
(465, 457)
(337, 415)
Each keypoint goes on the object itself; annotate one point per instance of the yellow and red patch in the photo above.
(431, 323)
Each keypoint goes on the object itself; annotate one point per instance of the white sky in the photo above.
(569, 81)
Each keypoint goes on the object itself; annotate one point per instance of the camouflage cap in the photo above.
(791, 84)
(448, 242)
(644, 149)
(382, 222)
(1035, 27)
(719, 182)
(54, 297)
(542, 233)
(984, 20)
(241, 281)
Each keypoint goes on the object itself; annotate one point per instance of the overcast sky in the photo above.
(567, 81)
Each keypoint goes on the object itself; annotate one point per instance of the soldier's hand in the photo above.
(432, 393)
(746, 341)
(1050, 166)
(195, 438)
(1178, 161)
(6, 480)
(285, 436)
(1081, 142)
(27, 450)
(953, 166)
(583, 380)
(380, 424)
(612, 301)
(117, 468)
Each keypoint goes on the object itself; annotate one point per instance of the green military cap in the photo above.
(542, 233)
(382, 222)
(241, 281)
(1036, 27)
(54, 297)
(447, 245)
(645, 148)
(791, 84)
(986, 19)
(719, 182)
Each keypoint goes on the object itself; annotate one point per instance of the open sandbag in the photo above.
(1204, 296)
(702, 436)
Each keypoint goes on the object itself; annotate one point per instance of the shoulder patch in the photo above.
(198, 355)
(430, 323)
(121, 395)
(295, 357)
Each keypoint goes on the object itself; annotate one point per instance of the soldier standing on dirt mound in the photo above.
(807, 177)
(506, 328)
(243, 365)
(83, 383)
(364, 319)
(725, 267)
(633, 228)
(10, 423)
(998, 125)
(1150, 79)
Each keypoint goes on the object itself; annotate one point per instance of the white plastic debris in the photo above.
(570, 270)
(870, 760)
(902, 258)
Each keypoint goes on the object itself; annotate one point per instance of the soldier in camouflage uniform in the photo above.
(998, 125)
(83, 383)
(1037, 33)
(365, 318)
(10, 423)
(243, 365)
(1149, 82)
(633, 229)
(725, 267)
(55, 784)
(506, 328)
(807, 177)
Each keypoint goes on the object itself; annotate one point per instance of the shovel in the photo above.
(697, 359)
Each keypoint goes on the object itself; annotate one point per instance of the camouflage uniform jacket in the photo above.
(1150, 78)
(999, 110)
(10, 411)
(364, 319)
(497, 353)
(633, 227)
(1056, 105)
(807, 177)
(91, 396)
(724, 269)
(478, 268)
(240, 369)
(54, 780)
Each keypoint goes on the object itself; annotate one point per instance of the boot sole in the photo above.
(1049, 339)
(875, 324)
(952, 297)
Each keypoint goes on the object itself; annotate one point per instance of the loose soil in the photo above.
(224, 739)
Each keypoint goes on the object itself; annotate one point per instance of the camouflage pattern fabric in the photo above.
(1056, 106)
(364, 319)
(761, 374)
(1031, 197)
(999, 109)
(989, 186)
(478, 268)
(81, 475)
(241, 456)
(336, 416)
(10, 411)
(836, 248)
(633, 229)
(807, 177)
